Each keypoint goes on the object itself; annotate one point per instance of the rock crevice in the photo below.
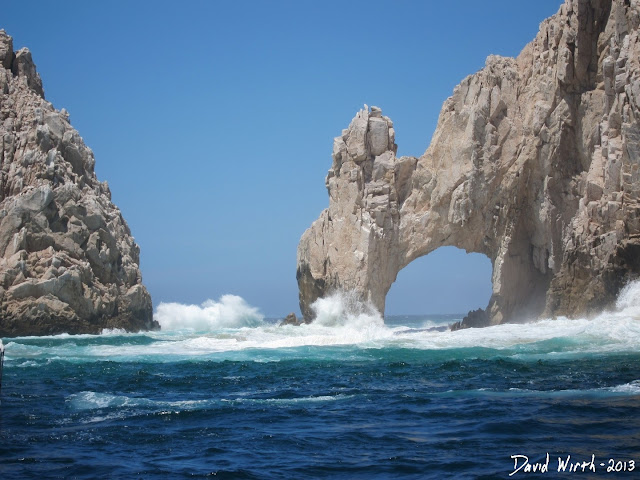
(535, 162)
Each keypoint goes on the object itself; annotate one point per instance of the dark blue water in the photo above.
(395, 401)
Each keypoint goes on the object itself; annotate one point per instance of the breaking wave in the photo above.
(231, 311)
(232, 329)
(629, 299)
(343, 309)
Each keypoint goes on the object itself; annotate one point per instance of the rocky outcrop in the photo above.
(291, 319)
(535, 162)
(68, 262)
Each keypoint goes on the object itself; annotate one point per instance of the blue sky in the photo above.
(213, 122)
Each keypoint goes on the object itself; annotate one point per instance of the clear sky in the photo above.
(213, 122)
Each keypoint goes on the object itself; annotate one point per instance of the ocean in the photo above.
(223, 392)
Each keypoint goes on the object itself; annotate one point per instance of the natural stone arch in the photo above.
(534, 163)
(385, 212)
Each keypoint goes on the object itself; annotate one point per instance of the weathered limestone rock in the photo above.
(68, 262)
(535, 162)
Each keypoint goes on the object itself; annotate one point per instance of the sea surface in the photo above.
(222, 392)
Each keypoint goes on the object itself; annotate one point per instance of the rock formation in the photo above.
(68, 262)
(291, 319)
(535, 162)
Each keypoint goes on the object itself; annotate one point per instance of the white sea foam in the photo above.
(231, 311)
(289, 401)
(230, 328)
(343, 320)
(631, 388)
(345, 309)
(113, 331)
(626, 389)
(629, 299)
(89, 400)
(27, 363)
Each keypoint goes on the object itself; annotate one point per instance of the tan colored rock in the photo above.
(68, 262)
(535, 162)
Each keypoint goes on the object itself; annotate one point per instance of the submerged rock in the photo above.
(535, 162)
(68, 262)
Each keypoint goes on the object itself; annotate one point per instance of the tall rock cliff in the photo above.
(535, 162)
(68, 262)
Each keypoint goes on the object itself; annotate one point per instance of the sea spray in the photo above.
(345, 383)
(629, 299)
(227, 328)
(345, 308)
(231, 311)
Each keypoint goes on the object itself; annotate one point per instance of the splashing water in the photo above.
(222, 389)
(231, 311)
(218, 329)
(345, 308)
(629, 300)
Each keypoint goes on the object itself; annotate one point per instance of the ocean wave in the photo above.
(113, 331)
(231, 311)
(342, 309)
(231, 329)
(629, 299)
(631, 388)
(623, 390)
(290, 401)
(547, 338)
(89, 400)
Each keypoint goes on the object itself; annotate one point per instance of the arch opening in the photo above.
(447, 281)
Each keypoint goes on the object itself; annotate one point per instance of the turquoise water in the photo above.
(223, 392)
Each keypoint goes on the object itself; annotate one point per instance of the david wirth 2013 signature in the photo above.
(521, 464)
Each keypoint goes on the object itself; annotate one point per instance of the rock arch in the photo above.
(534, 162)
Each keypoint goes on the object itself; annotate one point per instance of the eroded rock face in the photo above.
(68, 262)
(535, 162)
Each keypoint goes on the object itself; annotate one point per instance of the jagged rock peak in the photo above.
(68, 262)
(367, 183)
(20, 64)
(535, 162)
